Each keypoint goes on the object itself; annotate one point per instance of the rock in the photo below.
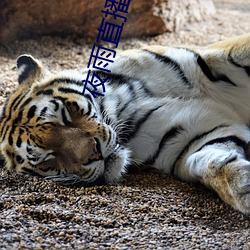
(30, 19)
(175, 13)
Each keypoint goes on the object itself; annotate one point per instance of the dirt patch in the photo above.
(146, 210)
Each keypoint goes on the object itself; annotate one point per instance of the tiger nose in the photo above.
(96, 153)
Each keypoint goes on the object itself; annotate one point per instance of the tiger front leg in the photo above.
(225, 171)
(230, 178)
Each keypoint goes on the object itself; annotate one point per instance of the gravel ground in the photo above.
(146, 210)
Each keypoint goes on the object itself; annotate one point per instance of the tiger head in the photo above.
(49, 128)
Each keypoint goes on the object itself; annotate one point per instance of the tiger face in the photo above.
(49, 128)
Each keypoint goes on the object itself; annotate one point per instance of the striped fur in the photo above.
(183, 111)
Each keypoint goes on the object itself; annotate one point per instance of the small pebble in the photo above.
(144, 211)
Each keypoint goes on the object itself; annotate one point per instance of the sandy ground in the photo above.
(146, 210)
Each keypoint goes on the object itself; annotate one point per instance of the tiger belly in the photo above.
(178, 128)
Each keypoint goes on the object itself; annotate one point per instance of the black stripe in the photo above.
(70, 91)
(43, 111)
(247, 69)
(209, 74)
(2, 160)
(13, 128)
(11, 133)
(21, 131)
(10, 109)
(231, 60)
(3, 135)
(114, 79)
(35, 158)
(132, 91)
(56, 105)
(3, 113)
(3, 124)
(138, 124)
(213, 77)
(29, 149)
(19, 141)
(89, 109)
(109, 137)
(232, 160)
(10, 139)
(52, 124)
(3, 127)
(17, 101)
(33, 138)
(31, 172)
(195, 139)
(173, 64)
(205, 69)
(94, 116)
(26, 102)
(123, 108)
(62, 99)
(169, 135)
(15, 122)
(131, 99)
(120, 79)
(45, 92)
(31, 112)
(146, 90)
(239, 142)
(19, 159)
(101, 106)
(18, 118)
(67, 81)
(89, 97)
(64, 117)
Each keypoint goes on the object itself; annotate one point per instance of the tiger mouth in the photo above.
(98, 147)
(100, 156)
(112, 155)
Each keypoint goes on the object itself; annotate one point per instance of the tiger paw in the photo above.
(223, 159)
(232, 182)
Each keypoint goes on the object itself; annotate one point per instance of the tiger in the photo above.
(181, 110)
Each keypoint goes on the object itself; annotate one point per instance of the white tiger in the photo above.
(184, 111)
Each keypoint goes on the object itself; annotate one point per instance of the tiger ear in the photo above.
(29, 69)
